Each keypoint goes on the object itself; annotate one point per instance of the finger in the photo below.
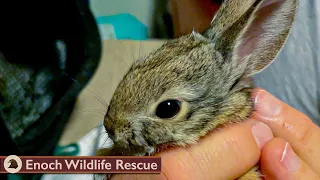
(291, 125)
(279, 161)
(222, 154)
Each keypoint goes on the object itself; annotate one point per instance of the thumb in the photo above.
(279, 161)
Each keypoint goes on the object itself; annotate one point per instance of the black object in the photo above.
(44, 45)
(168, 109)
(163, 21)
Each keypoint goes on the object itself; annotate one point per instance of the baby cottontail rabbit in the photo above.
(195, 83)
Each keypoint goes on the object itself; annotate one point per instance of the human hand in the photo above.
(294, 153)
(225, 154)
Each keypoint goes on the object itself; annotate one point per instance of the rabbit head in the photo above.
(194, 84)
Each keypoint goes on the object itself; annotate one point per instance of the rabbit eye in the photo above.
(168, 109)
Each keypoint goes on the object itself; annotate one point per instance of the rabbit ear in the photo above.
(266, 31)
(229, 12)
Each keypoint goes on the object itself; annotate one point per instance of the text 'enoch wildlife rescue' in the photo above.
(80, 164)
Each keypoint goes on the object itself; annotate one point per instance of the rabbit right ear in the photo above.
(264, 35)
(229, 12)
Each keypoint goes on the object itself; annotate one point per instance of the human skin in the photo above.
(294, 153)
(282, 139)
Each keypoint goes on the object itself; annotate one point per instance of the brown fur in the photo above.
(209, 72)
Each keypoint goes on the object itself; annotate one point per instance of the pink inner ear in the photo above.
(254, 33)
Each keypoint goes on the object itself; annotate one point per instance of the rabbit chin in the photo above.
(151, 151)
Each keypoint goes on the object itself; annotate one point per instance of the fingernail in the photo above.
(261, 133)
(266, 105)
(289, 159)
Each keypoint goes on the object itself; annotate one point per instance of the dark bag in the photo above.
(44, 45)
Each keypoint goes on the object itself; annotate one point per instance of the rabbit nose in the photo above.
(110, 133)
(111, 136)
(109, 127)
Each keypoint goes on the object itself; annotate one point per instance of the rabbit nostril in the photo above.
(110, 133)
(108, 125)
(111, 136)
(107, 119)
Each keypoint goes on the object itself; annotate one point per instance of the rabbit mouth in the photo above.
(162, 147)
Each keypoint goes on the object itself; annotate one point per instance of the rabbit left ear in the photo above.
(266, 31)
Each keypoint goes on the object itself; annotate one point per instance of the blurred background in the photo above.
(152, 18)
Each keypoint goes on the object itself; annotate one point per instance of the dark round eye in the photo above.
(168, 109)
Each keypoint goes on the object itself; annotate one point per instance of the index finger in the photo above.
(291, 125)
